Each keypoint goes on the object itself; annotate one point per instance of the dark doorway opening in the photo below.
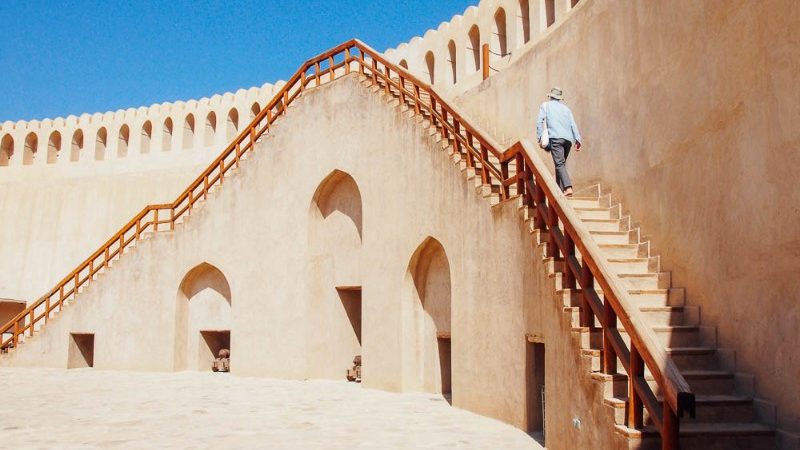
(534, 392)
(443, 341)
(81, 351)
(351, 302)
(213, 341)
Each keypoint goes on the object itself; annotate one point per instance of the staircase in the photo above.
(634, 321)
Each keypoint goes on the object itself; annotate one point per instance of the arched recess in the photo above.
(430, 64)
(549, 12)
(335, 232)
(210, 129)
(6, 150)
(31, 147)
(53, 147)
(100, 144)
(451, 51)
(166, 135)
(202, 318)
(188, 132)
(428, 283)
(523, 23)
(76, 146)
(499, 34)
(404, 64)
(475, 46)
(232, 126)
(254, 110)
(146, 137)
(123, 140)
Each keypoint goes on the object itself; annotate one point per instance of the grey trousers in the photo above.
(559, 150)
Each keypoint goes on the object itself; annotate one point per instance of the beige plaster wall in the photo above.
(286, 323)
(689, 112)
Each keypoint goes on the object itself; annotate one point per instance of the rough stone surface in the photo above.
(88, 409)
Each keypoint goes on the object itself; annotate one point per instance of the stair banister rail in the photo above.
(550, 208)
(477, 148)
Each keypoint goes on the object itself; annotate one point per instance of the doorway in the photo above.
(535, 388)
(81, 351)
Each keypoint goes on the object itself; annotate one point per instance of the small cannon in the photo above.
(354, 374)
(223, 362)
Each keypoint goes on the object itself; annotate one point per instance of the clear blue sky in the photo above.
(59, 58)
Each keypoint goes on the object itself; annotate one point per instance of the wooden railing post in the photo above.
(569, 252)
(552, 225)
(485, 61)
(670, 429)
(635, 405)
(587, 286)
(610, 326)
(347, 60)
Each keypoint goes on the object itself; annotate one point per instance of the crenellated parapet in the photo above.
(133, 137)
(450, 56)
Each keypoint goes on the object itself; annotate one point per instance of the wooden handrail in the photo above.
(533, 182)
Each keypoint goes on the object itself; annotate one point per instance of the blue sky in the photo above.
(57, 60)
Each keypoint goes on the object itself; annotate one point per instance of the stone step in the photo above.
(583, 202)
(708, 409)
(646, 281)
(633, 265)
(654, 316)
(639, 250)
(613, 237)
(706, 436)
(604, 224)
(641, 297)
(686, 358)
(701, 382)
(669, 336)
(597, 212)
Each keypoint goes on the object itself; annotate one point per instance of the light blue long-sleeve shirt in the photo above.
(560, 122)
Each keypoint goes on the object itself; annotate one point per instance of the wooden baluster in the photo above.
(610, 319)
(416, 99)
(76, 282)
(569, 277)
(552, 224)
(30, 322)
(155, 220)
(47, 307)
(105, 260)
(15, 338)
(434, 120)
(445, 122)
(522, 180)
(485, 176)
(172, 219)
(316, 73)
(402, 90)
(330, 66)
(285, 102)
(303, 79)
(506, 190)
(485, 61)
(670, 429)
(361, 62)
(387, 73)
(635, 405)
(190, 200)
(205, 178)
(457, 136)
(470, 156)
(347, 60)
(121, 244)
(222, 170)
(539, 198)
(374, 71)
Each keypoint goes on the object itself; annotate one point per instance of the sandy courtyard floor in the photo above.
(88, 409)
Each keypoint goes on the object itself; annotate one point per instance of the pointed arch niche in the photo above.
(202, 318)
(427, 357)
(335, 231)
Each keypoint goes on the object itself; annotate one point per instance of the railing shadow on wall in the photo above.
(516, 165)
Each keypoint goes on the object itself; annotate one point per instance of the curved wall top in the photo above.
(450, 56)
(133, 138)
(156, 136)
